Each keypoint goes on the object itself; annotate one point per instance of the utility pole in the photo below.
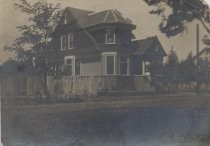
(197, 41)
(197, 60)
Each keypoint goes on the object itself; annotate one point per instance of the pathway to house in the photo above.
(172, 121)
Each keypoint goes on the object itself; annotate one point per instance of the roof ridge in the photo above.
(106, 16)
(120, 15)
(114, 15)
(97, 12)
(79, 9)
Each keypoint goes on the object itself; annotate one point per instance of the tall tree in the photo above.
(33, 43)
(187, 69)
(183, 12)
(171, 67)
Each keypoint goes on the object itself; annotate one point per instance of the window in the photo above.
(77, 67)
(63, 42)
(147, 67)
(70, 41)
(68, 69)
(110, 65)
(72, 66)
(124, 65)
(110, 36)
(67, 41)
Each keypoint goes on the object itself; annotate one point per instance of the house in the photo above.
(87, 43)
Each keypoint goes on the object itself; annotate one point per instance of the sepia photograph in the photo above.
(105, 73)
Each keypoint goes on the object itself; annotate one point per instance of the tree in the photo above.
(202, 71)
(34, 41)
(155, 68)
(183, 12)
(171, 67)
(187, 69)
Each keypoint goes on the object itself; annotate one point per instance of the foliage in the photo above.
(36, 33)
(202, 71)
(171, 67)
(187, 69)
(33, 45)
(12, 67)
(183, 12)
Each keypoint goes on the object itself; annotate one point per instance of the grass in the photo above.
(124, 122)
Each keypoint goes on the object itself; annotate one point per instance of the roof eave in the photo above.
(132, 26)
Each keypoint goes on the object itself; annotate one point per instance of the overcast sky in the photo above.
(136, 10)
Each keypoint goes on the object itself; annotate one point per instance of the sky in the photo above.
(208, 1)
(135, 10)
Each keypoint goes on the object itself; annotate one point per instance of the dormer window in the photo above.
(110, 36)
(67, 42)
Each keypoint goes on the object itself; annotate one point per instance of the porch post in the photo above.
(143, 68)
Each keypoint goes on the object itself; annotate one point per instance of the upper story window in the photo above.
(63, 42)
(67, 41)
(70, 41)
(110, 36)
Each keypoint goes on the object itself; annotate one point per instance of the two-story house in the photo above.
(86, 43)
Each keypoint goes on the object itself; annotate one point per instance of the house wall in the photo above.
(99, 35)
(91, 68)
(122, 35)
(81, 40)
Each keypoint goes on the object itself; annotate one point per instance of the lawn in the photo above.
(138, 122)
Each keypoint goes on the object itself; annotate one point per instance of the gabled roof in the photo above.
(78, 12)
(148, 46)
(88, 18)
